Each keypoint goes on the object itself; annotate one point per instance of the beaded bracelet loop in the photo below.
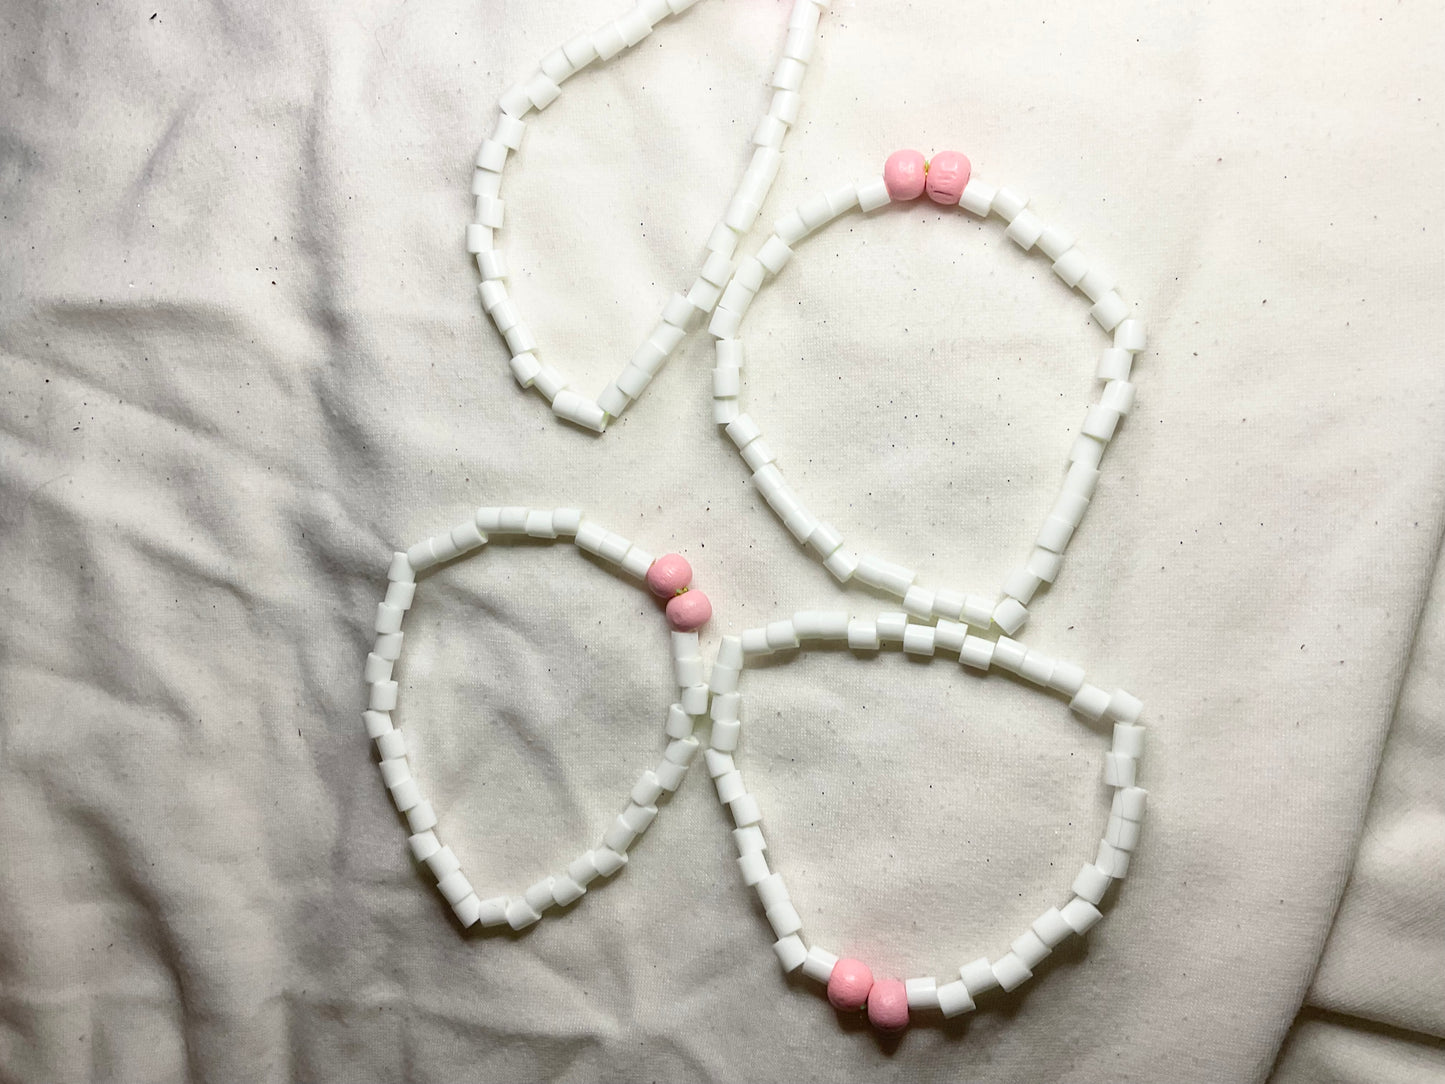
(947, 180)
(850, 983)
(683, 311)
(669, 577)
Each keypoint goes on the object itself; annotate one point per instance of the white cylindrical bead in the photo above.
(647, 790)
(1123, 834)
(376, 669)
(1010, 615)
(918, 601)
(977, 197)
(749, 839)
(784, 919)
(406, 795)
(542, 91)
(891, 626)
(718, 762)
(819, 964)
(1109, 310)
(791, 952)
(391, 747)
(1045, 564)
(421, 816)
(953, 998)
(1029, 948)
(454, 886)
(1091, 883)
(976, 652)
(771, 891)
(730, 786)
(388, 645)
(1080, 914)
(520, 914)
(670, 775)
(694, 699)
(619, 836)
(383, 696)
(525, 368)
(1025, 229)
(863, 635)
(442, 862)
(607, 861)
(1009, 653)
(1008, 204)
(884, 575)
(1132, 802)
(1114, 364)
(681, 751)
(841, 564)
(1055, 534)
(400, 570)
(754, 867)
(1011, 972)
(1124, 707)
(1037, 668)
(1119, 770)
(978, 976)
(1050, 928)
(1021, 584)
(1100, 422)
(1072, 266)
(1130, 336)
(1118, 396)
(918, 639)
(785, 106)
(1112, 860)
(679, 722)
(949, 635)
(745, 811)
(492, 156)
(788, 75)
(1054, 242)
(1090, 701)
(566, 891)
(388, 617)
(922, 993)
(509, 131)
(377, 723)
(725, 734)
(872, 194)
(423, 845)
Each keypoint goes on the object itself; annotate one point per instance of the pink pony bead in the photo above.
(948, 173)
(903, 175)
(849, 984)
(688, 611)
(888, 1005)
(668, 575)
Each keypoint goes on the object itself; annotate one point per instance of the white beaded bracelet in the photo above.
(669, 577)
(850, 983)
(947, 179)
(679, 316)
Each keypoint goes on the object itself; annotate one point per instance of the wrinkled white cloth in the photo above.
(244, 361)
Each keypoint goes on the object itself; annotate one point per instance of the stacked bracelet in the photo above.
(682, 312)
(850, 983)
(669, 577)
(949, 181)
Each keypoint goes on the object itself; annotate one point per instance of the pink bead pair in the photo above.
(670, 577)
(851, 986)
(907, 176)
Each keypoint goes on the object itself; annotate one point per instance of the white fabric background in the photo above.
(244, 361)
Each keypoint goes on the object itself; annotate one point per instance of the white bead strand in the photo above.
(1030, 232)
(668, 577)
(535, 93)
(850, 984)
